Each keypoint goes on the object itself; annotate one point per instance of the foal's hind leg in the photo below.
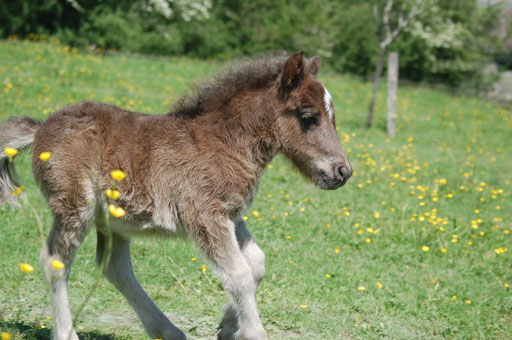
(62, 244)
(120, 273)
(256, 260)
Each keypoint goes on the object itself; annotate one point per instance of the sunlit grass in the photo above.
(417, 245)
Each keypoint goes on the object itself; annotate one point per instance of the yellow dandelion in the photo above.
(6, 336)
(117, 212)
(368, 240)
(246, 218)
(468, 302)
(113, 193)
(11, 152)
(288, 237)
(444, 250)
(378, 284)
(18, 190)
(327, 276)
(117, 175)
(26, 268)
(45, 156)
(58, 265)
(454, 298)
(203, 268)
(506, 285)
(361, 288)
(425, 248)
(193, 259)
(500, 250)
(256, 213)
(336, 251)
(303, 307)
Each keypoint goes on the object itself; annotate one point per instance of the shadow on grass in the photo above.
(35, 332)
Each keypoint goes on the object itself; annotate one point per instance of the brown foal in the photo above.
(193, 171)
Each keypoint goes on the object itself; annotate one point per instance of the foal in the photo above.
(193, 171)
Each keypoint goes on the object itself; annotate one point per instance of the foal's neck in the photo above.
(246, 124)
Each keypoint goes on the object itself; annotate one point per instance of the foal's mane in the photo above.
(215, 91)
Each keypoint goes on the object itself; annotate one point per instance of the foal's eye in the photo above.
(308, 118)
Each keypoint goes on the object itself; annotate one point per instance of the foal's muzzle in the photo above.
(335, 177)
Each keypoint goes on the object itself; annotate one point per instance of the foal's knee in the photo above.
(240, 281)
(256, 259)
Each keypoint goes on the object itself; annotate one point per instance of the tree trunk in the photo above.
(392, 87)
(376, 81)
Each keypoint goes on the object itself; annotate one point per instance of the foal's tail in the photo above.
(17, 133)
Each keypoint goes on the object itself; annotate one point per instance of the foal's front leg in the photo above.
(256, 260)
(219, 242)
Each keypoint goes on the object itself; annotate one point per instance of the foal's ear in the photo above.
(313, 65)
(293, 72)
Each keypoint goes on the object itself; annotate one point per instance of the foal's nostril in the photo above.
(344, 172)
(341, 172)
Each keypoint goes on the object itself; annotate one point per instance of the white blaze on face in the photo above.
(328, 104)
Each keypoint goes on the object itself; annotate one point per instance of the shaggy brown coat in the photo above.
(192, 171)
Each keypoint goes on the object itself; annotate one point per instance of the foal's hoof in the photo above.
(226, 332)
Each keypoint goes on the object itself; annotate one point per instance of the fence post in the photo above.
(392, 89)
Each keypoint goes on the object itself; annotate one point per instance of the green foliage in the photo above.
(356, 45)
(447, 42)
(117, 29)
(442, 44)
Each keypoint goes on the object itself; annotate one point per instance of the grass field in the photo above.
(415, 246)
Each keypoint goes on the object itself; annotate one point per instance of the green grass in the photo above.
(449, 165)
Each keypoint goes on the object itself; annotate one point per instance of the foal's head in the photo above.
(307, 126)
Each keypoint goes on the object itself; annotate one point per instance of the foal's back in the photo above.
(87, 140)
(169, 161)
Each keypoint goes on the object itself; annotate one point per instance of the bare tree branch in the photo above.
(404, 22)
(387, 34)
